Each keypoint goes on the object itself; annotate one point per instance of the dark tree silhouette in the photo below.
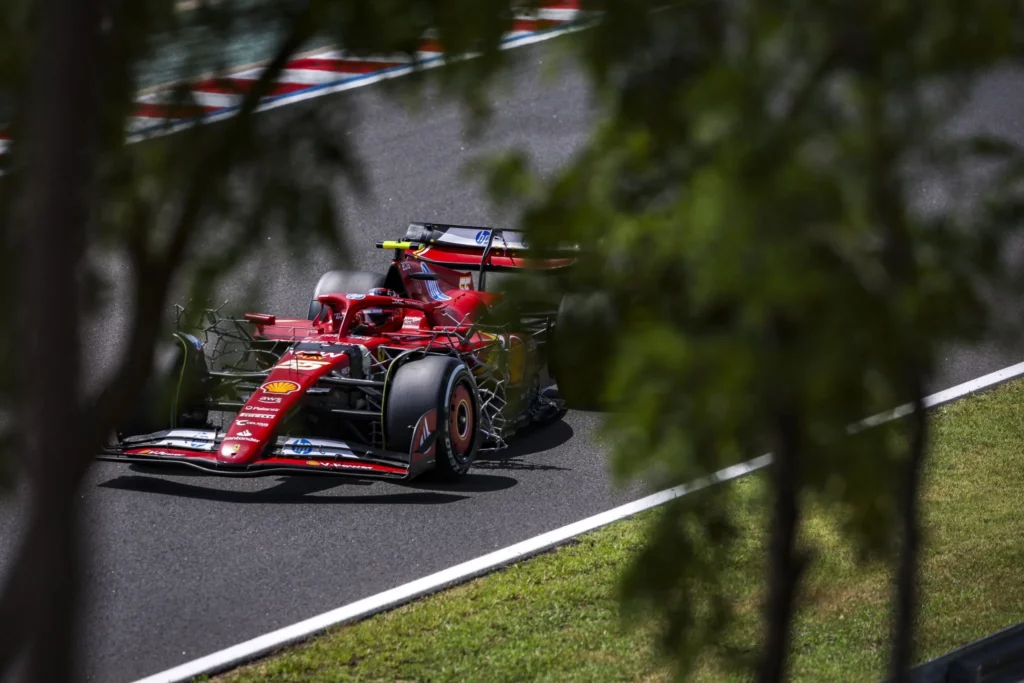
(68, 78)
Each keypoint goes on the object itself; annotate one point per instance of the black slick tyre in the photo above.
(174, 395)
(342, 282)
(445, 385)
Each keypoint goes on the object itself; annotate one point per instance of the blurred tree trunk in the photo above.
(79, 46)
(39, 604)
(785, 563)
(905, 623)
(888, 204)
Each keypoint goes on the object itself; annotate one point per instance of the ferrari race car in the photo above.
(388, 376)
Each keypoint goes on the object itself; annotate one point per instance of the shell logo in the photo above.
(280, 387)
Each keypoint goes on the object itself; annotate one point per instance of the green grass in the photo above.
(555, 617)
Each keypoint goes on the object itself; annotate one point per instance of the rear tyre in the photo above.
(581, 349)
(444, 385)
(174, 395)
(342, 282)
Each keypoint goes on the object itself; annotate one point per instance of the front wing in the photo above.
(197, 448)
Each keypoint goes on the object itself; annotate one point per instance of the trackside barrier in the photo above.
(313, 74)
(998, 658)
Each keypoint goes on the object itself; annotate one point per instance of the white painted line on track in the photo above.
(549, 14)
(345, 55)
(308, 77)
(960, 390)
(251, 649)
(197, 96)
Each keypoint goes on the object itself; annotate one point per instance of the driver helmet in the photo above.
(375, 320)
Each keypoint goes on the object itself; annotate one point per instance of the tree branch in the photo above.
(154, 276)
(39, 603)
(786, 564)
(906, 598)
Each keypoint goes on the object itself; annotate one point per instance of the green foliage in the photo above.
(698, 533)
(749, 204)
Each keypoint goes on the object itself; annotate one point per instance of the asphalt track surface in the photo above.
(182, 565)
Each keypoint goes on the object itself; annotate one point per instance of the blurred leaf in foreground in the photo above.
(85, 216)
(751, 210)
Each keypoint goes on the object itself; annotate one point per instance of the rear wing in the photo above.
(474, 237)
(469, 247)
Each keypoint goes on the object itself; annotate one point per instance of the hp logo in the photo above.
(481, 237)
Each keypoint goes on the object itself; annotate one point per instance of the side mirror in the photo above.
(261, 318)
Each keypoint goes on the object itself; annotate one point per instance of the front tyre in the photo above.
(442, 390)
(174, 395)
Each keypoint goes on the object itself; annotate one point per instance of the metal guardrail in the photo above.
(998, 658)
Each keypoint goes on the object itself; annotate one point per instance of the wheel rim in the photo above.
(461, 420)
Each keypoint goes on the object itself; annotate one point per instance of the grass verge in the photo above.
(556, 617)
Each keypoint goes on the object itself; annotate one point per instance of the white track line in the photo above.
(345, 55)
(301, 76)
(549, 14)
(945, 396)
(250, 649)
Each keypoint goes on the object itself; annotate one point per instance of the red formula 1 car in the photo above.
(389, 375)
